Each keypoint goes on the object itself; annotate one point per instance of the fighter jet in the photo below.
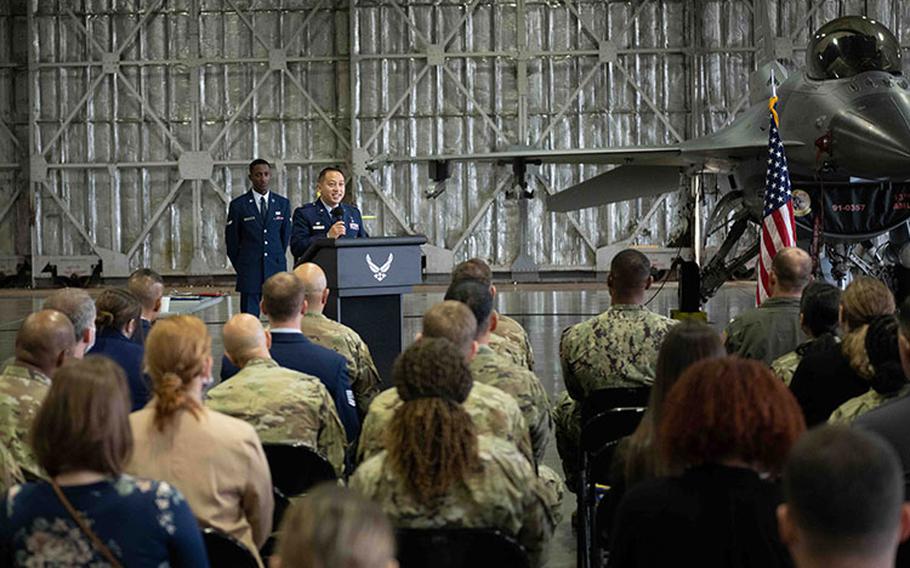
(845, 121)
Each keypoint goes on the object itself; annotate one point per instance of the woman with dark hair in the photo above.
(728, 426)
(117, 315)
(333, 527)
(89, 513)
(684, 345)
(215, 460)
(829, 377)
(436, 471)
(887, 381)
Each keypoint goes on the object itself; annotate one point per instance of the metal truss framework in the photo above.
(438, 54)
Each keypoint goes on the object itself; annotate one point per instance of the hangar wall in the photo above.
(126, 125)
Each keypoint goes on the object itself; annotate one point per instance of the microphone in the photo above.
(337, 214)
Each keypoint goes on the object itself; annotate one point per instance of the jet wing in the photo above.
(619, 184)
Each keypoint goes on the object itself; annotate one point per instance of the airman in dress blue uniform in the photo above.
(315, 221)
(257, 233)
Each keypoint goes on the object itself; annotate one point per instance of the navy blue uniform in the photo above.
(312, 222)
(256, 246)
(114, 345)
(295, 351)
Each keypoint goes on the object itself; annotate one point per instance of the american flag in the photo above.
(778, 229)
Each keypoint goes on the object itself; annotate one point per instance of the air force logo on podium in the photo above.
(380, 272)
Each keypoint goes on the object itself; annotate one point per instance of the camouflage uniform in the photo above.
(859, 405)
(283, 406)
(493, 412)
(24, 389)
(9, 471)
(617, 348)
(508, 349)
(510, 329)
(504, 495)
(490, 368)
(785, 366)
(346, 342)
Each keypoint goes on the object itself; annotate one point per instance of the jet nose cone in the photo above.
(871, 138)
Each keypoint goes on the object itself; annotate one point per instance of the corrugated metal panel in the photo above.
(302, 83)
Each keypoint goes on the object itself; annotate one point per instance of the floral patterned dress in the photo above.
(144, 523)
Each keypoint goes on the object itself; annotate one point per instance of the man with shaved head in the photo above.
(79, 307)
(336, 336)
(617, 348)
(148, 286)
(284, 303)
(44, 341)
(284, 406)
(773, 328)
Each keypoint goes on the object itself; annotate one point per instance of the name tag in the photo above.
(319, 227)
(355, 226)
(279, 217)
(253, 218)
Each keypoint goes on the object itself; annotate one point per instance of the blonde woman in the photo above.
(216, 461)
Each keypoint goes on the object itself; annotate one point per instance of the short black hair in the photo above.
(328, 169)
(820, 305)
(629, 270)
(259, 162)
(477, 297)
(845, 488)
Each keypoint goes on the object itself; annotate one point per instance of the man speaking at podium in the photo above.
(327, 216)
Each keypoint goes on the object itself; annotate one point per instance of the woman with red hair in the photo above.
(727, 426)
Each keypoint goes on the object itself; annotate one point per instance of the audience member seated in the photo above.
(509, 339)
(844, 494)
(78, 306)
(284, 406)
(492, 369)
(492, 411)
(333, 526)
(82, 439)
(618, 348)
(818, 312)
(319, 329)
(727, 425)
(639, 457)
(829, 377)
(284, 303)
(892, 421)
(216, 461)
(44, 341)
(888, 381)
(148, 287)
(773, 328)
(437, 472)
(118, 318)
(469, 302)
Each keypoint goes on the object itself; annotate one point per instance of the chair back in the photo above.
(458, 547)
(296, 468)
(225, 550)
(602, 400)
(609, 426)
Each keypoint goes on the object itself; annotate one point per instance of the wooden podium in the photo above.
(367, 279)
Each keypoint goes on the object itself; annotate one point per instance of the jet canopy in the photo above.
(851, 45)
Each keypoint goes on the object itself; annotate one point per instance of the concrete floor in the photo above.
(543, 309)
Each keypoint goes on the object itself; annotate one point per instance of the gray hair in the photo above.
(77, 305)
